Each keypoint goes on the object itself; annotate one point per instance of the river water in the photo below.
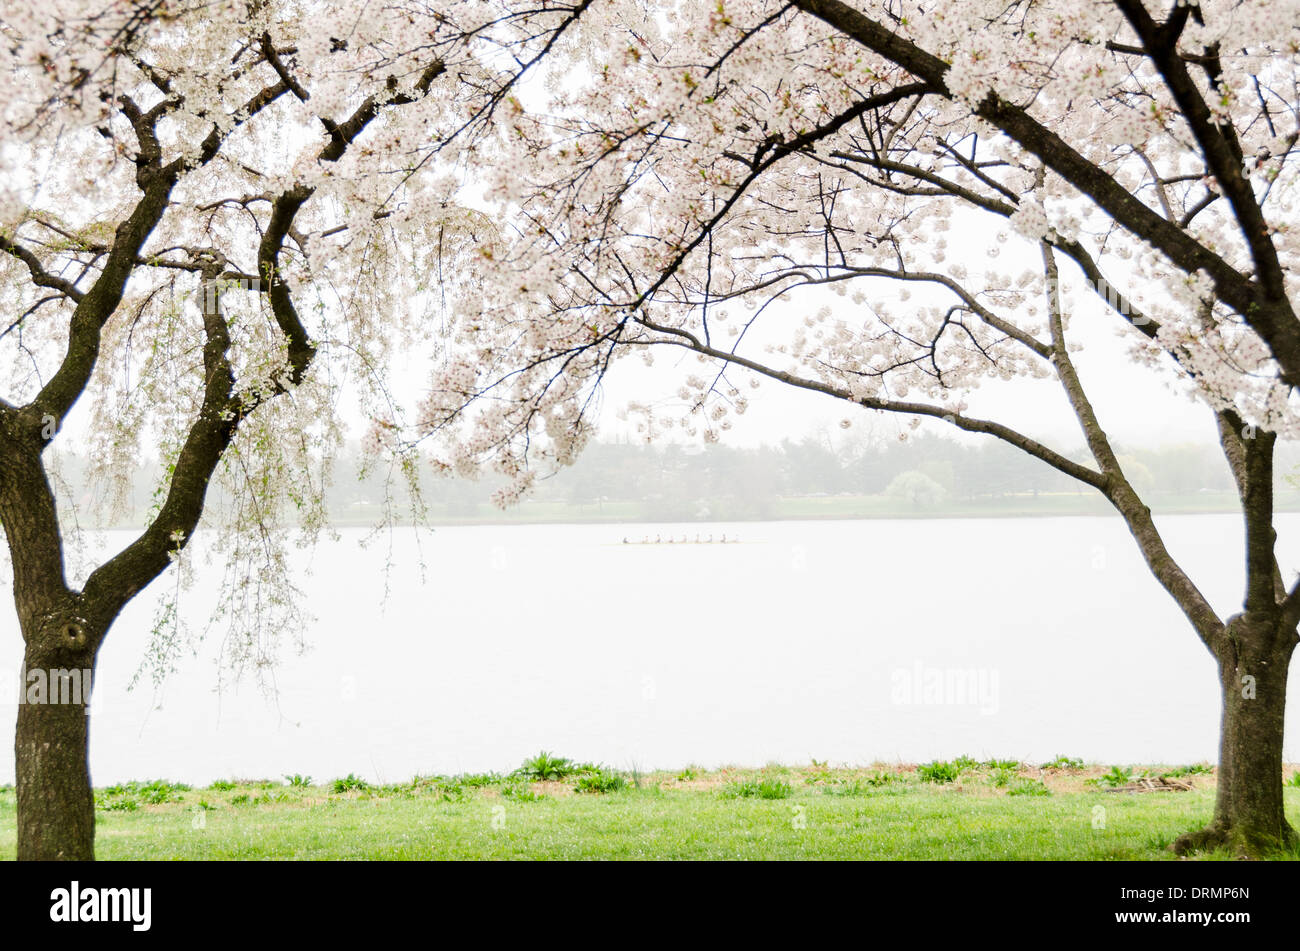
(848, 641)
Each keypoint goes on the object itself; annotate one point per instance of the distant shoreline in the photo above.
(801, 508)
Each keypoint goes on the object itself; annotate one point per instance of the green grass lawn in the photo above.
(884, 812)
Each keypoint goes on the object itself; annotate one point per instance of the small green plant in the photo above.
(130, 796)
(687, 775)
(117, 803)
(406, 790)
(1117, 776)
(1064, 762)
(545, 766)
(939, 772)
(848, 787)
(519, 792)
(478, 780)
(242, 799)
(1194, 769)
(1029, 787)
(349, 783)
(158, 791)
(297, 779)
(1010, 764)
(1160, 843)
(446, 788)
(965, 763)
(205, 805)
(222, 785)
(1295, 779)
(451, 792)
(883, 778)
(757, 789)
(600, 782)
(166, 792)
(1002, 777)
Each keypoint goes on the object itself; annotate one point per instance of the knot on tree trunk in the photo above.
(62, 639)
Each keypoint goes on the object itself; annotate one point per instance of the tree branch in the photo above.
(1217, 142)
(1117, 488)
(689, 341)
(40, 276)
(1270, 314)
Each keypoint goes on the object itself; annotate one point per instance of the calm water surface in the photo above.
(851, 641)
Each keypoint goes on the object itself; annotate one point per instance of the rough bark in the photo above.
(56, 808)
(56, 817)
(1253, 655)
(1249, 815)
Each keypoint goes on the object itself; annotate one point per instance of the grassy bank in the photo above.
(958, 810)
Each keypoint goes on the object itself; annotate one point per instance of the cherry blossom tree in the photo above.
(213, 213)
(973, 181)
(212, 216)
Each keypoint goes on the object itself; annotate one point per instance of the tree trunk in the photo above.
(1249, 817)
(56, 807)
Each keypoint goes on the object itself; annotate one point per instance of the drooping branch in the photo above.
(1116, 486)
(1096, 280)
(968, 300)
(684, 338)
(223, 408)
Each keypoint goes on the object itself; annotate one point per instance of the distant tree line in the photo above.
(685, 482)
(680, 475)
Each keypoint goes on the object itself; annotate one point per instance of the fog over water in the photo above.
(851, 641)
